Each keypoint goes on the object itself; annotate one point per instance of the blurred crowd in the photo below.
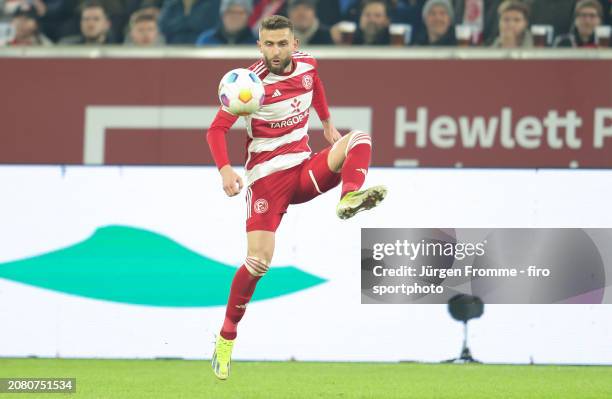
(495, 23)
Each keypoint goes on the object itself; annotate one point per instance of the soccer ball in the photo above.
(241, 92)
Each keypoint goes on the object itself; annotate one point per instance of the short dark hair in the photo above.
(589, 4)
(94, 4)
(385, 3)
(514, 5)
(276, 22)
(142, 16)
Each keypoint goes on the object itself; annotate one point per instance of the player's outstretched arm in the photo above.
(232, 182)
(319, 102)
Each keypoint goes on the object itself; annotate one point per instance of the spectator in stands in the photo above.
(25, 24)
(373, 25)
(513, 25)
(587, 17)
(439, 29)
(117, 12)
(399, 11)
(9, 7)
(308, 29)
(143, 30)
(95, 26)
(182, 21)
(481, 15)
(233, 28)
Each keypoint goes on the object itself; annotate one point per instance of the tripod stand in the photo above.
(466, 354)
(463, 308)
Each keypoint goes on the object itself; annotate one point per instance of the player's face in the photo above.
(277, 47)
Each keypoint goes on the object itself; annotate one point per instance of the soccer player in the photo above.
(280, 168)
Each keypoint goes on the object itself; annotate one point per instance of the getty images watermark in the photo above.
(498, 265)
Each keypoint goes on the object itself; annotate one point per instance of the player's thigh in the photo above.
(261, 244)
(315, 178)
(267, 200)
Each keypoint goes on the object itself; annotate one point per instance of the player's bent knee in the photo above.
(257, 266)
(357, 137)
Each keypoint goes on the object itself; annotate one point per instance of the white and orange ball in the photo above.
(241, 92)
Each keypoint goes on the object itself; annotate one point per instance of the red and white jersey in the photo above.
(278, 132)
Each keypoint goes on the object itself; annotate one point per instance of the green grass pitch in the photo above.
(151, 379)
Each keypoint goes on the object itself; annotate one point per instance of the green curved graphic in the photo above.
(130, 265)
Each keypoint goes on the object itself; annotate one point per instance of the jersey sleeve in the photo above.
(319, 100)
(216, 136)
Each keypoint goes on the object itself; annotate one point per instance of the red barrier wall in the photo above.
(531, 113)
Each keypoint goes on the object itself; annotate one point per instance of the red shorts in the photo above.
(269, 197)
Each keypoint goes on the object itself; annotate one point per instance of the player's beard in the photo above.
(280, 67)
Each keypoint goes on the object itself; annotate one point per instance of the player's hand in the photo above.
(232, 182)
(331, 133)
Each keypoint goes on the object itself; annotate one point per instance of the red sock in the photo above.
(241, 292)
(355, 167)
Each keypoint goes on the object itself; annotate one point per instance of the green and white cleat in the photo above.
(222, 357)
(357, 201)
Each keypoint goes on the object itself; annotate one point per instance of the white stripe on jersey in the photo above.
(261, 144)
(283, 109)
(247, 122)
(278, 163)
(299, 69)
(260, 69)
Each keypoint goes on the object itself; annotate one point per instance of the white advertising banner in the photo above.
(136, 262)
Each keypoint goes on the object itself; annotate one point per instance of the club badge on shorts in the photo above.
(260, 206)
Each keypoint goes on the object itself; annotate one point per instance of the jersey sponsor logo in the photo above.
(295, 104)
(261, 206)
(364, 171)
(276, 93)
(294, 120)
(307, 82)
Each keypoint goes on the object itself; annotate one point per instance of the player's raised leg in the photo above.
(351, 157)
(259, 255)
